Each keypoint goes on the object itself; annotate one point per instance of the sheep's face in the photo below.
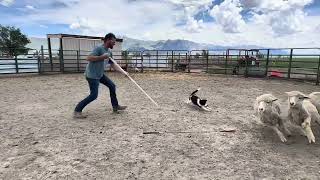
(296, 100)
(265, 105)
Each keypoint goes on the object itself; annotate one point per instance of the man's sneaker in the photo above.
(119, 108)
(78, 115)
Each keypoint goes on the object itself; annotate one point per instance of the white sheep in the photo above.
(302, 113)
(268, 110)
(315, 100)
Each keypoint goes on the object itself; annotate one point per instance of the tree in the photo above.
(12, 41)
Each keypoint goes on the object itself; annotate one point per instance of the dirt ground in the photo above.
(41, 140)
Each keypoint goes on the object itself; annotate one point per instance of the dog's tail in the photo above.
(194, 92)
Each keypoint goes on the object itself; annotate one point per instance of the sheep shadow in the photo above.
(295, 140)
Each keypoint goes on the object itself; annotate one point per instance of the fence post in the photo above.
(290, 63)
(149, 56)
(167, 60)
(39, 64)
(246, 71)
(141, 53)
(78, 64)
(125, 55)
(136, 59)
(60, 60)
(226, 62)
(41, 59)
(207, 61)
(16, 63)
(267, 64)
(189, 59)
(172, 61)
(186, 60)
(179, 60)
(50, 53)
(42, 53)
(61, 56)
(318, 73)
(157, 60)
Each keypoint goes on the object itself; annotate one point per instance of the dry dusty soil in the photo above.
(41, 140)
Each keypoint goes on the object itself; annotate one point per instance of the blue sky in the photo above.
(275, 23)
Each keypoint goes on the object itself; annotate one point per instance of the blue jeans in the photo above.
(94, 86)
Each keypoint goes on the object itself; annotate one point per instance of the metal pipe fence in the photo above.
(292, 63)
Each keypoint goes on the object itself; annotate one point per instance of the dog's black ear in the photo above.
(203, 102)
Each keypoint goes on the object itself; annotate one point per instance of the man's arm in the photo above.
(97, 58)
(97, 55)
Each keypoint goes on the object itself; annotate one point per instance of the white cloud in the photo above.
(7, 3)
(190, 9)
(30, 7)
(118, 16)
(194, 26)
(190, 3)
(156, 20)
(284, 16)
(287, 22)
(227, 14)
(43, 26)
(75, 25)
(283, 5)
(250, 3)
(317, 29)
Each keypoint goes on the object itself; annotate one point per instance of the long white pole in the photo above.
(133, 81)
(143, 90)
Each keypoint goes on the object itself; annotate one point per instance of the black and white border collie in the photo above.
(202, 103)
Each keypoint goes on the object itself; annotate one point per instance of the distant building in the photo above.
(73, 50)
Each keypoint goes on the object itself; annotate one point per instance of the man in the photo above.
(95, 74)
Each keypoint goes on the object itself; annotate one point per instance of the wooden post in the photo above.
(16, 63)
(41, 59)
(226, 62)
(125, 53)
(267, 64)
(186, 59)
(78, 63)
(207, 61)
(149, 60)
(39, 65)
(290, 63)
(172, 61)
(50, 53)
(189, 60)
(42, 53)
(318, 73)
(157, 60)
(167, 63)
(246, 71)
(141, 54)
(61, 57)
